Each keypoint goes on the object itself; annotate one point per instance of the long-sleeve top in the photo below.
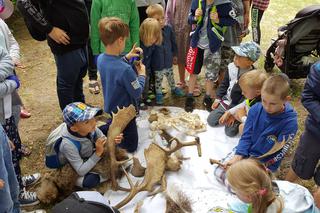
(162, 57)
(224, 10)
(70, 16)
(120, 84)
(6, 86)
(8, 42)
(81, 161)
(126, 10)
(263, 130)
(311, 100)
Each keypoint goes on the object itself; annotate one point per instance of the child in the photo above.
(150, 36)
(121, 84)
(177, 16)
(210, 19)
(257, 10)
(8, 84)
(250, 84)
(306, 158)
(80, 125)
(164, 55)
(229, 93)
(271, 123)
(126, 10)
(253, 185)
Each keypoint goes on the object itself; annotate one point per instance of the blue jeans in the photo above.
(9, 194)
(72, 68)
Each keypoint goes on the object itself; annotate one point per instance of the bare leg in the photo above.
(192, 83)
(209, 88)
(182, 74)
(292, 177)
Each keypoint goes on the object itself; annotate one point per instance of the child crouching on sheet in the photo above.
(250, 84)
(269, 128)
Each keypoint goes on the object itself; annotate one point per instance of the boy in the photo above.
(210, 18)
(80, 125)
(306, 158)
(122, 85)
(229, 93)
(250, 84)
(269, 122)
(164, 55)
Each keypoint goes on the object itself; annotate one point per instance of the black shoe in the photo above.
(207, 103)
(189, 106)
(27, 198)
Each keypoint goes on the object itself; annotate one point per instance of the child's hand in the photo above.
(118, 139)
(141, 69)
(230, 121)
(175, 60)
(233, 160)
(215, 104)
(214, 17)
(59, 36)
(198, 13)
(224, 118)
(18, 64)
(100, 145)
(134, 52)
(1, 183)
(240, 113)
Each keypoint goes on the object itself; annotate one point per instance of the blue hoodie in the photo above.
(226, 18)
(311, 100)
(262, 130)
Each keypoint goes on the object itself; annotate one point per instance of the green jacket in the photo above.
(124, 9)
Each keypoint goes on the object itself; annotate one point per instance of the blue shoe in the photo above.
(159, 99)
(178, 92)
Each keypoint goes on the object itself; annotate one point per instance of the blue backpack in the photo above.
(53, 145)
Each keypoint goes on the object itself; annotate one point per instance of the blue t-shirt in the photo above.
(121, 85)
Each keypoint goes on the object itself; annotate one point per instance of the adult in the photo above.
(143, 4)
(66, 24)
(257, 10)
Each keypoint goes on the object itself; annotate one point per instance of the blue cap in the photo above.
(249, 49)
(77, 112)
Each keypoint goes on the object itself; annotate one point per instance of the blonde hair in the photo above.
(150, 29)
(277, 84)
(251, 178)
(253, 79)
(154, 9)
(111, 29)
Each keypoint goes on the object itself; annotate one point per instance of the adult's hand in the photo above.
(59, 36)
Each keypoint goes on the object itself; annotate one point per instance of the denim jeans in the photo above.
(9, 202)
(72, 68)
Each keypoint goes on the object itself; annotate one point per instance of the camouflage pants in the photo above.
(159, 77)
(227, 55)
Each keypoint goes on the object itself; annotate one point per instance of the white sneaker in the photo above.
(29, 180)
(27, 198)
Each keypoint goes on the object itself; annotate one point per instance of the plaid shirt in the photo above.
(260, 4)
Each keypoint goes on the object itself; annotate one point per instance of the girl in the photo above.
(150, 35)
(252, 184)
(177, 16)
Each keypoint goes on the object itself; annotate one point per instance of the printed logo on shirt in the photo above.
(233, 14)
(135, 84)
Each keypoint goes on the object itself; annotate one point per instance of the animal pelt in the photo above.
(60, 183)
(177, 201)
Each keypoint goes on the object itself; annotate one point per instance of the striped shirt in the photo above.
(260, 4)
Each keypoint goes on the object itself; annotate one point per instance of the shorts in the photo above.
(306, 157)
(211, 61)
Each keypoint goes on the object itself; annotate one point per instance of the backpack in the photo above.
(32, 12)
(53, 145)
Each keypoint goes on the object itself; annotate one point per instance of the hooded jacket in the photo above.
(311, 100)
(226, 18)
(263, 130)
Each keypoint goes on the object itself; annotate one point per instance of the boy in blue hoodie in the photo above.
(270, 126)
(307, 156)
(122, 82)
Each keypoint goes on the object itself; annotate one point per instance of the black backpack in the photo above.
(31, 10)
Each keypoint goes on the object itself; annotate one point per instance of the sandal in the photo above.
(94, 87)
(25, 151)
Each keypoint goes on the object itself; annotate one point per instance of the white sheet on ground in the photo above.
(195, 178)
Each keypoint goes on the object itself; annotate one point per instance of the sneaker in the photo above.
(27, 198)
(177, 92)
(29, 180)
(207, 103)
(151, 95)
(189, 106)
(159, 99)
